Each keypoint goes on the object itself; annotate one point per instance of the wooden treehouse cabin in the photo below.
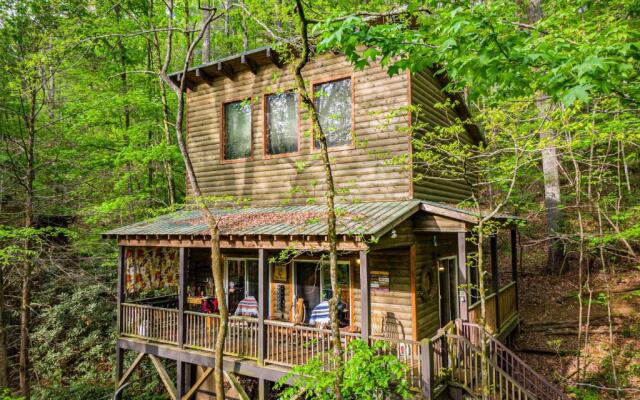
(406, 267)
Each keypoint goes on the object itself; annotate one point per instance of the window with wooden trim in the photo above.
(334, 104)
(281, 123)
(237, 130)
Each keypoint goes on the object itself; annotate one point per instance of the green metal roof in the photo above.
(371, 218)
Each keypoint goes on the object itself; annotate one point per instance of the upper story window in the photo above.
(334, 104)
(281, 123)
(237, 130)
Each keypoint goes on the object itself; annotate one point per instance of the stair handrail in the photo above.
(504, 376)
(529, 378)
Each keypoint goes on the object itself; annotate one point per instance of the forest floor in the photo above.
(548, 339)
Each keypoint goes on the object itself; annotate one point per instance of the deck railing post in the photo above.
(495, 281)
(365, 317)
(427, 370)
(182, 289)
(514, 261)
(263, 306)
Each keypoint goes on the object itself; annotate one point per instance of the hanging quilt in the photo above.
(151, 268)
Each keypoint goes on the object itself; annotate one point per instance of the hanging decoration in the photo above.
(151, 268)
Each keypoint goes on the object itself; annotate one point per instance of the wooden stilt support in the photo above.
(264, 389)
(207, 372)
(235, 383)
(132, 368)
(119, 369)
(164, 377)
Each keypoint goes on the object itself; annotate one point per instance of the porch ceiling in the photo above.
(370, 219)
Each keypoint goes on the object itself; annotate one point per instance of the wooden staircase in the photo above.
(458, 358)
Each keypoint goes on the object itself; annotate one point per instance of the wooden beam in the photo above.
(202, 74)
(226, 70)
(164, 377)
(180, 379)
(495, 282)
(207, 372)
(274, 57)
(252, 242)
(263, 306)
(132, 368)
(244, 59)
(463, 290)
(235, 383)
(365, 310)
(121, 285)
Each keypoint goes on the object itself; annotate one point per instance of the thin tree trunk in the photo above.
(4, 354)
(25, 298)
(206, 39)
(125, 89)
(330, 198)
(211, 219)
(551, 175)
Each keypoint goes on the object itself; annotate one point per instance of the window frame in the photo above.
(330, 79)
(223, 130)
(265, 125)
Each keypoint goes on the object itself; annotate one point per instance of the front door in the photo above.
(308, 284)
(448, 289)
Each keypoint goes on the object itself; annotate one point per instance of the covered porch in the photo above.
(404, 278)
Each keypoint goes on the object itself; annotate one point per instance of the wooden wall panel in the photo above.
(361, 173)
(426, 92)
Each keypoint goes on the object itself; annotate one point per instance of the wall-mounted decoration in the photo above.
(280, 273)
(379, 281)
(151, 268)
(425, 283)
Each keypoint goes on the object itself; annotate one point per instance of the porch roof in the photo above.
(370, 218)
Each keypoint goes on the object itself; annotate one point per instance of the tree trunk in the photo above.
(25, 298)
(4, 354)
(555, 253)
(330, 198)
(206, 39)
(550, 168)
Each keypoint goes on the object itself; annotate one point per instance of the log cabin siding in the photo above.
(361, 173)
(426, 92)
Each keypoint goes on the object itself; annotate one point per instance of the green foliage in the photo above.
(371, 373)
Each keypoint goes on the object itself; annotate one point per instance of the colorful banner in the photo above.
(151, 268)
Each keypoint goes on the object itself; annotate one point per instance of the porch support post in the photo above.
(119, 370)
(514, 262)
(264, 389)
(180, 378)
(495, 285)
(121, 284)
(365, 316)
(182, 291)
(263, 304)
(426, 359)
(463, 289)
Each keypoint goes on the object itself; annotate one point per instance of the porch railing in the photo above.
(507, 308)
(156, 323)
(242, 334)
